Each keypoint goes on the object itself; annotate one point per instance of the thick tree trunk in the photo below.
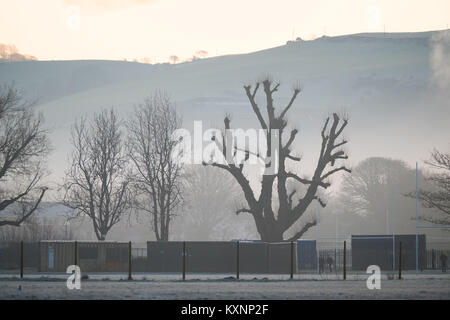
(268, 229)
(273, 236)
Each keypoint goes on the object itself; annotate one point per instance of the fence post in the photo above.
(345, 260)
(21, 259)
(335, 258)
(400, 261)
(292, 259)
(184, 260)
(76, 253)
(129, 261)
(237, 260)
(433, 258)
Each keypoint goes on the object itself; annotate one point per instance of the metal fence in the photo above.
(322, 256)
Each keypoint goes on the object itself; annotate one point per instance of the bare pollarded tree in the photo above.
(156, 178)
(24, 146)
(272, 225)
(97, 182)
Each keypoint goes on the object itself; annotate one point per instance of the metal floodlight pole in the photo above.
(335, 231)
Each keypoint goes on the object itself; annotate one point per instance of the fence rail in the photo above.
(242, 257)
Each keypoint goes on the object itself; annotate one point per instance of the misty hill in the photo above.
(391, 85)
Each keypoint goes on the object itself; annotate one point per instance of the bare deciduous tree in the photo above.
(271, 225)
(24, 146)
(438, 197)
(375, 185)
(375, 192)
(156, 179)
(36, 229)
(210, 199)
(97, 181)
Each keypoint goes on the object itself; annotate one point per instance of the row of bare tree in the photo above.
(112, 173)
(102, 184)
(117, 166)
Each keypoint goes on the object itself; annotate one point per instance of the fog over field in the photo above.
(394, 87)
(237, 151)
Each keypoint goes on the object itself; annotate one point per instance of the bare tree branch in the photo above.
(157, 177)
(97, 183)
(302, 231)
(24, 147)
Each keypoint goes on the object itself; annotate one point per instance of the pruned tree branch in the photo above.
(302, 231)
(272, 225)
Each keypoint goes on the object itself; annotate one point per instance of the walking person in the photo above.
(321, 263)
(330, 263)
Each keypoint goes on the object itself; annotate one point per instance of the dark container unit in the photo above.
(211, 257)
(381, 250)
(306, 255)
(165, 256)
(220, 257)
(253, 257)
(279, 258)
(10, 256)
(103, 256)
(201, 256)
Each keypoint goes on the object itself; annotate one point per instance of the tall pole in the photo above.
(417, 218)
(336, 229)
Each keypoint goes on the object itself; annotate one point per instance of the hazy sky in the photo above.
(157, 29)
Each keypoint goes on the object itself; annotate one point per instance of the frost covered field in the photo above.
(103, 286)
